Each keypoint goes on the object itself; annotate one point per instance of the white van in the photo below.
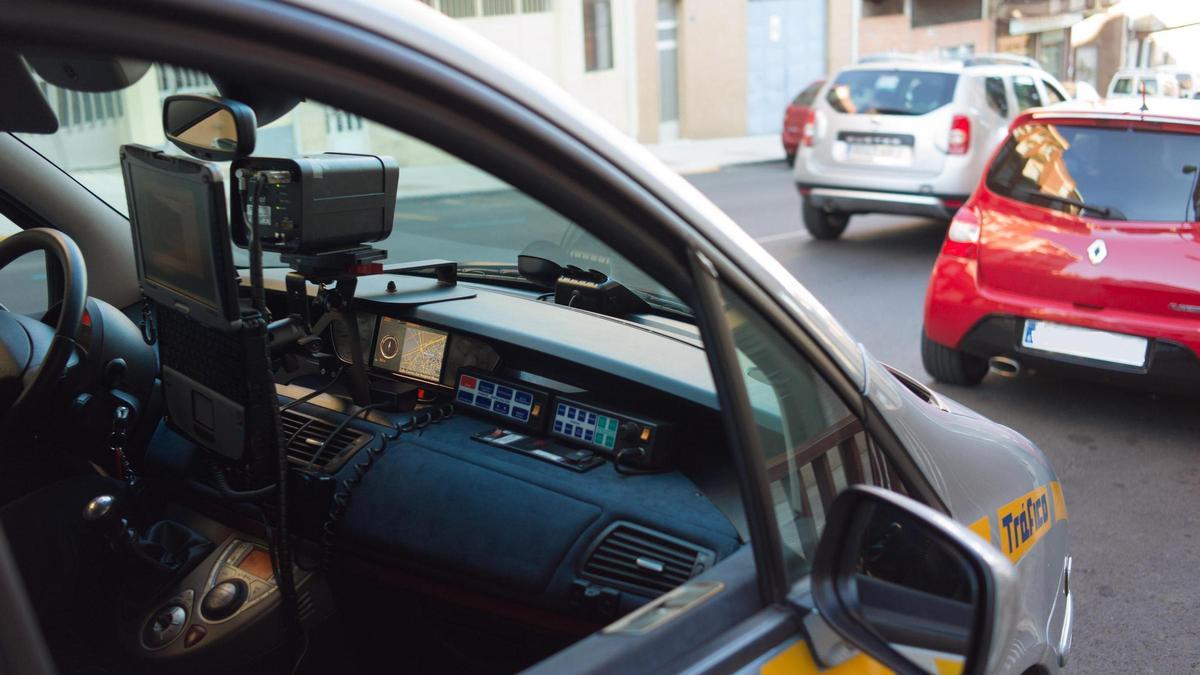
(1157, 82)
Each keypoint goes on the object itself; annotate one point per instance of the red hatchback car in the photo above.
(1079, 249)
(798, 115)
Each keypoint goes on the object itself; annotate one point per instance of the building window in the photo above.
(934, 12)
(534, 6)
(76, 108)
(63, 109)
(597, 35)
(458, 9)
(499, 7)
(882, 7)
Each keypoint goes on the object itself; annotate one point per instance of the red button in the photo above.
(195, 634)
(468, 382)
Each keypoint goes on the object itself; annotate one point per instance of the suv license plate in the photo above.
(879, 153)
(1129, 350)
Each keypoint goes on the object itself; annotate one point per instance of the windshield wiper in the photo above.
(1109, 212)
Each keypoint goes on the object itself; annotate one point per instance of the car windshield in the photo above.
(445, 208)
(891, 92)
(1143, 175)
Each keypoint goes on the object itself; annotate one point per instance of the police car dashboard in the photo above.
(555, 459)
(582, 469)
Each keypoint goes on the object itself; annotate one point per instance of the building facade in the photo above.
(661, 70)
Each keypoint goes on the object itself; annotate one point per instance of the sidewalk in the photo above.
(702, 156)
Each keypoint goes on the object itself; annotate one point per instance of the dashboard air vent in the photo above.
(641, 560)
(305, 435)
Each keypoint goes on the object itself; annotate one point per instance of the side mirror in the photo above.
(210, 128)
(911, 587)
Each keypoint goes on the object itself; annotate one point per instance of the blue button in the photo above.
(557, 425)
(561, 409)
(587, 435)
(483, 402)
(486, 387)
(591, 418)
(570, 413)
(520, 413)
(523, 397)
(466, 396)
(504, 392)
(578, 432)
(568, 429)
(500, 407)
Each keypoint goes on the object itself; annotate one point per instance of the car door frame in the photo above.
(377, 77)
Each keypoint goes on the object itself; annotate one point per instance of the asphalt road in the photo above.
(1129, 461)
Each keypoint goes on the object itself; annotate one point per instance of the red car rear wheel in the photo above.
(950, 365)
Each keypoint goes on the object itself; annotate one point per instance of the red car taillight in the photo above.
(810, 128)
(962, 239)
(960, 135)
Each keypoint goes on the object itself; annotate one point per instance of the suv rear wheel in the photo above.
(950, 365)
(822, 224)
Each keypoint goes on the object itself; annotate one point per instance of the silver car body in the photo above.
(979, 467)
(980, 470)
(928, 180)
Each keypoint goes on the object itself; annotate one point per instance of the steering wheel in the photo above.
(32, 354)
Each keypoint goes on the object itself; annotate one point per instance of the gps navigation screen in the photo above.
(411, 350)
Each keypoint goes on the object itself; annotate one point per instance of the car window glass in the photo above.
(1149, 86)
(445, 208)
(23, 281)
(1144, 175)
(1123, 85)
(1026, 92)
(1053, 95)
(996, 97)
(891, 92)
(812, 444)
(805, 98)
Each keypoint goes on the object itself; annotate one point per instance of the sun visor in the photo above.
(85, 72)
(26, 109)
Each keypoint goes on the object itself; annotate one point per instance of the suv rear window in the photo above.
(1137, 174)
(891, 92)
(805, 98)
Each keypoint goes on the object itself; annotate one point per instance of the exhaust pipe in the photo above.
(1004, 366)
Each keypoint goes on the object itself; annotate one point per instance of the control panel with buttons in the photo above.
(242, 577)
(517, 403)
(604, 430)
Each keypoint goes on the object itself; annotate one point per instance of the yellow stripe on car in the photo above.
(798, 660)
(1022, 522)
(1060, 504)
(983, 528)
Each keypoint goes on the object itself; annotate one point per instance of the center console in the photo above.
(226, 609)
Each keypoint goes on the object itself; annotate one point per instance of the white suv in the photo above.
(909, 135)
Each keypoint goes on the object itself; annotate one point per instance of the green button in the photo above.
(612, 424)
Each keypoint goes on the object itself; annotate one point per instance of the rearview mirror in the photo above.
(210, 128)
(911, 587)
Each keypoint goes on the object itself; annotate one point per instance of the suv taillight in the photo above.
(960, 135)
(810, 128)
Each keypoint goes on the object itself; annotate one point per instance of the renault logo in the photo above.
(1097, 251)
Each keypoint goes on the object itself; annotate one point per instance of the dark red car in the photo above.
(1079, 249)
(797, 115)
